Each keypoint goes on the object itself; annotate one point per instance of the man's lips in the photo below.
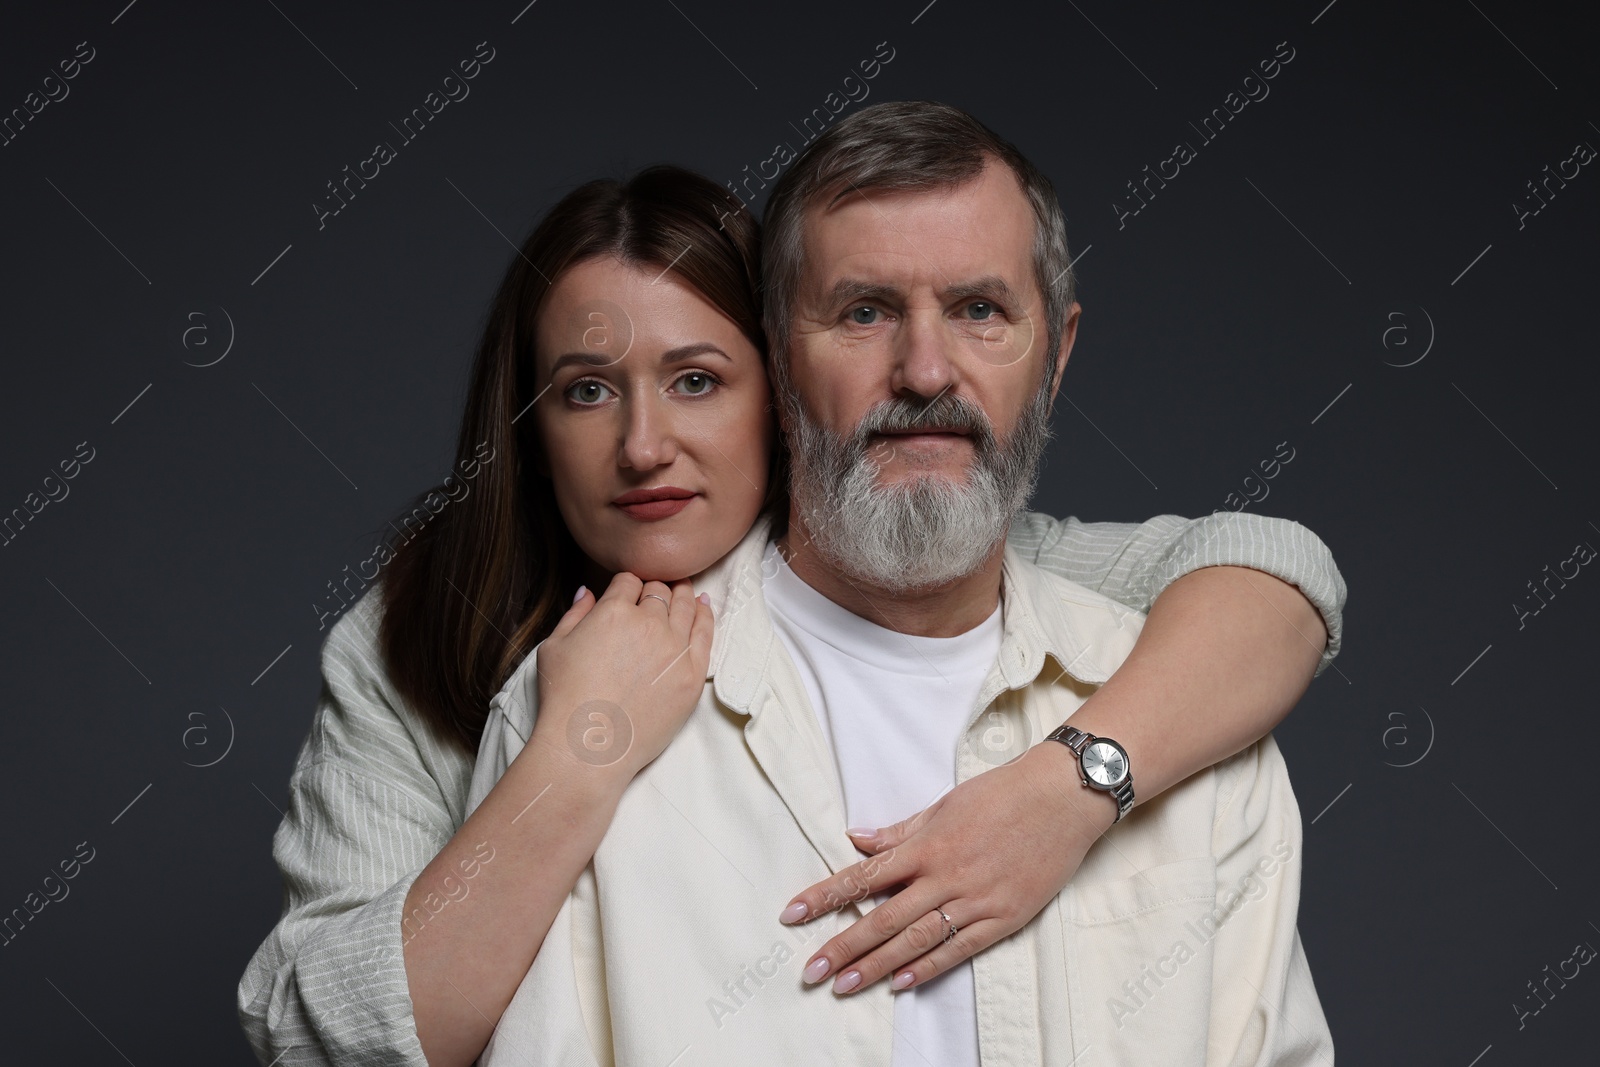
(649, 505)
(922, 431)
(932, 436)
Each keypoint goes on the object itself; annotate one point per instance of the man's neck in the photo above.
(946, 610)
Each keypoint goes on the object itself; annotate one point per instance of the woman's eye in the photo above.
(863, 315)
(696, 383)
(981, 309)
(587, 391)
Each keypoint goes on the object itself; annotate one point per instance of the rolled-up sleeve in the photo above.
(367, 811)
(1133, 562)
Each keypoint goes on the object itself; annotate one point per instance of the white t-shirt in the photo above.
(893, 707)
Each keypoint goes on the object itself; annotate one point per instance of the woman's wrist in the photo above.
(1053, 769)
(578, 750)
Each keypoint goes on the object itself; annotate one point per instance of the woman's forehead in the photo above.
(606, 307)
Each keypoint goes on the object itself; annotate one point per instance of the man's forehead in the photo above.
(946, 237)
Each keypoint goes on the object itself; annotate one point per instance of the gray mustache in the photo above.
(903, 414)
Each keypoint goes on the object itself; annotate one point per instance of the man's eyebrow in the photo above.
(673, 355)
(849, 290)
(990, 286)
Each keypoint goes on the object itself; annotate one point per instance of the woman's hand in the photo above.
(619, 676)
(992, 853)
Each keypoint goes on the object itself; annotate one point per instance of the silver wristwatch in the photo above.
(1102, 764)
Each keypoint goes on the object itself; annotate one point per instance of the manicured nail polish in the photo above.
(794, 912)
(704, 598)
(901, 980)
(863, 833)
(582, 589)
(815, 970)
(847, 981)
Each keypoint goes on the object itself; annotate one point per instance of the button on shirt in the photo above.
(892, 708)
(1174, 943)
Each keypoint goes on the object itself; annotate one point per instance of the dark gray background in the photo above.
(1226, 317)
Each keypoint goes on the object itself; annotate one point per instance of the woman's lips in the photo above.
(653, 505)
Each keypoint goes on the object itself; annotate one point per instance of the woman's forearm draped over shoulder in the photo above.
(1132, 563)
(1239, 608)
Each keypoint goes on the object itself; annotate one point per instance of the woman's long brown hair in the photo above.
(488, 575)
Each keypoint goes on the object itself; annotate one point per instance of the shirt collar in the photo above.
(1048, 616)
(1043, 616)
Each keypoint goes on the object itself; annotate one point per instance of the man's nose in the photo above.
(924, 356)
(648, 438)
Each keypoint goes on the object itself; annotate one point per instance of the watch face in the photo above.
(1105, 764)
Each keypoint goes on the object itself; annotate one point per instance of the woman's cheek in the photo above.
(577, 487)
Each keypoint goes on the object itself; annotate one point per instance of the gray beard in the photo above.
(925, 531)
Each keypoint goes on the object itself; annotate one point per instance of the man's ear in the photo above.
(1068, 335)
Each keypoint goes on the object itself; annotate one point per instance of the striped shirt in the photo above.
(375, 793)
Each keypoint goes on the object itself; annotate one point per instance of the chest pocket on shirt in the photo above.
(1139, 963)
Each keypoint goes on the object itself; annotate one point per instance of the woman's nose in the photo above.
(648, 440)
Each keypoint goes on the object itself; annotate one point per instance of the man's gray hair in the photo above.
(904, 144)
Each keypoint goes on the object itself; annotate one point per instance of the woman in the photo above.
(409, 923)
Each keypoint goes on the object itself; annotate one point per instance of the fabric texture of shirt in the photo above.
(375, 793)
(1174, 943)
(892, 708)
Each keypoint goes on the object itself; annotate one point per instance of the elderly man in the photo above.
(920, 312)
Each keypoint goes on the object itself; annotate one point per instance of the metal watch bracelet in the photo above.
(1076, 741)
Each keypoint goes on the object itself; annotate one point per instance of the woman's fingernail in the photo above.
(794, 912)
(704, 598)
(847, 981)
(864, 833)
(815, 970)
(582, 589)
(901, 980)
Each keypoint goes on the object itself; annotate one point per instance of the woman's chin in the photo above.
(673, 567)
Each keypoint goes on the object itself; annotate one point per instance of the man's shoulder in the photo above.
(1074, 618)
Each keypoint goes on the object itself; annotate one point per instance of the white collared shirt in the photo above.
(1174, 943)
(892, 708)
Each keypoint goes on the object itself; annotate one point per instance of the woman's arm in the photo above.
(402, 942)
(1132, 563)
(467, 949)
(1213, 627)
(629, 671)
(1239, 604)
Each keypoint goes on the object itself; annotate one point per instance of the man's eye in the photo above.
(981, 309)
(863, 315)
(696, 383)
(587, 391)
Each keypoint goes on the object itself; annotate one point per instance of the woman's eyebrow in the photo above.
(587, 359)
(673, 355)
(687, 352)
